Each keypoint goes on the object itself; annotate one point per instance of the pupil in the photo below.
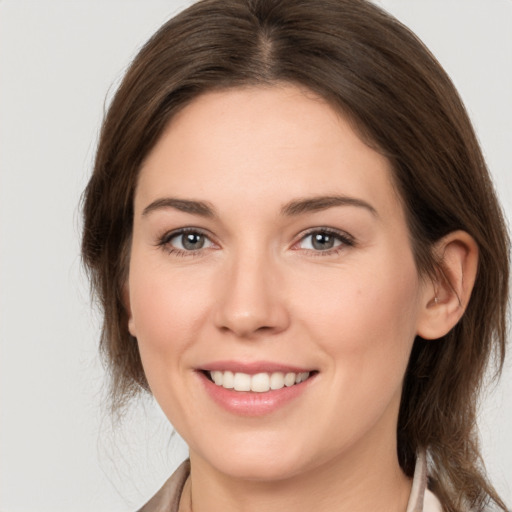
(193, 241)
(323, 241)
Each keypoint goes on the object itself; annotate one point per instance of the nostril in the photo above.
(264, 328)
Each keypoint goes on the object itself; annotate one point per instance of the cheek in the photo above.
(167, 310)
(365, 320)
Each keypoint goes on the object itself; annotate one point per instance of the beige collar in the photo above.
(421, 498)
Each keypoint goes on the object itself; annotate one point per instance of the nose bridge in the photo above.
(251, 300)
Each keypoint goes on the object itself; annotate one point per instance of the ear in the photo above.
(125, 292)
(446, 297)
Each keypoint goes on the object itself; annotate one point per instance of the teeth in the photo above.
(242, 382)
(277, 380)
(301, 377)
(289, 379)
(228, 380)
(218, 378)
(258, 383)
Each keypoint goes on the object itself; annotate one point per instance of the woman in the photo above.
(299, 253)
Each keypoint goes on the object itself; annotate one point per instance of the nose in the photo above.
(251, 302)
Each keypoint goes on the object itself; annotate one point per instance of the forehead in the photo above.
(263, 143)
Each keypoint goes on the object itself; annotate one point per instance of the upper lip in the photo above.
(253, 367)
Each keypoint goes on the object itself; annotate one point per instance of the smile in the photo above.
(255, 388)
(259, 382)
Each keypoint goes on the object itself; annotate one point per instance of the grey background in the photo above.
(58, 59)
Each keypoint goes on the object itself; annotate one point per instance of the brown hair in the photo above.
(378, 73)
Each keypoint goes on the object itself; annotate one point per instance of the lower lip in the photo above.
(248, 403)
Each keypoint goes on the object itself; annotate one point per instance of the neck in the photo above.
(367, 479)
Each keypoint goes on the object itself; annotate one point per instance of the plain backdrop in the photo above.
(60, 61)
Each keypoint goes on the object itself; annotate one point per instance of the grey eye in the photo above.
(190, 241)
(320, 241)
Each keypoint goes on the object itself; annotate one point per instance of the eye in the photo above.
(324, 240)
(184, 241)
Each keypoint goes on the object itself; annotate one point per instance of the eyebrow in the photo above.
(319, 203)
(293, 208)
(184, 205)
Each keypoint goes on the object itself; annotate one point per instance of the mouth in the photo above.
(262, 382)
(256, 388)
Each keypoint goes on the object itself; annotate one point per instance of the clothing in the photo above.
(167, 499)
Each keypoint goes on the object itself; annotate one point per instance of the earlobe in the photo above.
(446, 297)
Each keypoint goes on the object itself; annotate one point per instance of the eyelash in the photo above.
(343, 237)
(164, 242)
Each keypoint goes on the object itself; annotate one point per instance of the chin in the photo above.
(266, 469)
(258, 460)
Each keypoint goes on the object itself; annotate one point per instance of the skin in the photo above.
(258, 290)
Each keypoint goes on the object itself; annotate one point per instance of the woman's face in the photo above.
(269, 246)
